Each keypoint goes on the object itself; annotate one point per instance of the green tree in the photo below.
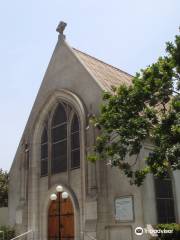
(3, 188)
(147, 109)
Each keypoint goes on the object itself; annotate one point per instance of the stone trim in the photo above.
(33, 201)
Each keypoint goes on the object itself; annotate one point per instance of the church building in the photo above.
(55, 193)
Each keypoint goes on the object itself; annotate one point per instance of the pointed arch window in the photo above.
(44, 152)
(59, 140)
(75, 143)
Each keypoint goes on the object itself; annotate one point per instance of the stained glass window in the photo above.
(44, 153)
(59, 140)
(75, 143)
(64, 137)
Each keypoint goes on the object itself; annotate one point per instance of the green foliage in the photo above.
(3, 188)
(9, 232)
(175, 235)
(147, 109)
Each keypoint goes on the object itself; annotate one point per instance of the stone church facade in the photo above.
(53, 190)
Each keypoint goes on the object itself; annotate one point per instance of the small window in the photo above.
(164, 200)
(75, 143)
(59, 140)
(44, 153)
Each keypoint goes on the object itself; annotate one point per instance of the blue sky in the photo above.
(129, 34)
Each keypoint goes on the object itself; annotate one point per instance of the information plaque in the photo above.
(124, 209)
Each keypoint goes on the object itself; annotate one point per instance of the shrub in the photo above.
(3, 188)
(9, 232)
(175, 235)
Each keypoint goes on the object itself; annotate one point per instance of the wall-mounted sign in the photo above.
(124, 208)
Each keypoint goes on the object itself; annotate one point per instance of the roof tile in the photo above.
(105, 74)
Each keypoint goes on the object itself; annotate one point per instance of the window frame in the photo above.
(70, 113)
(168, 178)
(45, 128)
(74, 114)
(54, 143)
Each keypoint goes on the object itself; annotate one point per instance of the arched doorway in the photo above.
(61, 219)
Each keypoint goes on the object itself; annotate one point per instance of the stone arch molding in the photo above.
(51, 102)
(34, 220)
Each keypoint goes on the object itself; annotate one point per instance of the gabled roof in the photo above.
(105, 74)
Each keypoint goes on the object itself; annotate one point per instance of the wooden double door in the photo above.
(61, 219)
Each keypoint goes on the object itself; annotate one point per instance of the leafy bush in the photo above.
(175, 235)
(3, 188)
(9, 232)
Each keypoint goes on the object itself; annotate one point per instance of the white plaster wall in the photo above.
(4, 217)
(118, 186)
(14, 189)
